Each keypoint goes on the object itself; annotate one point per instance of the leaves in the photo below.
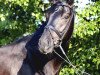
(17, 18)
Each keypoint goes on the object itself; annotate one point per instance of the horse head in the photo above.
(59, 17)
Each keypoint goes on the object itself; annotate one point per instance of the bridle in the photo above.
(51, 28)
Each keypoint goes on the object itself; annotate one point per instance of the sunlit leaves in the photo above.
(2, 17)
(19, 2)
(18, 17)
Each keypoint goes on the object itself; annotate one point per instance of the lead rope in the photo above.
(68, 61)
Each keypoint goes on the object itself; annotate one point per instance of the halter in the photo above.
(51, 27)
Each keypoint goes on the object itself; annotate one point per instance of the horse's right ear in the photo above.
(54, 1)
(70, 2)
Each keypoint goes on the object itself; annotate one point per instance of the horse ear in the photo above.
(54, 1)
(70, 2)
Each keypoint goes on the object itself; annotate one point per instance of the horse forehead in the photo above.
(53, 7)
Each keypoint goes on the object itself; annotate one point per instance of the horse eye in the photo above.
(66, 17)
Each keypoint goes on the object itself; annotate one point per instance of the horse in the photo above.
(28, 55)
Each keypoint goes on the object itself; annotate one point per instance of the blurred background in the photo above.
(22, 17)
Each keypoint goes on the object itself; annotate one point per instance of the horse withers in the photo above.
(32, 55)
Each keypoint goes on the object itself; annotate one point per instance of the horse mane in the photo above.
(19, 40)
(23, 38)
(36, 36)
(33, 51)
(28, 37)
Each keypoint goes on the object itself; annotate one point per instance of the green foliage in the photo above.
(18, 17)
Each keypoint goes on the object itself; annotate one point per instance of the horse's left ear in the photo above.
(54, 1)
(70, 2)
